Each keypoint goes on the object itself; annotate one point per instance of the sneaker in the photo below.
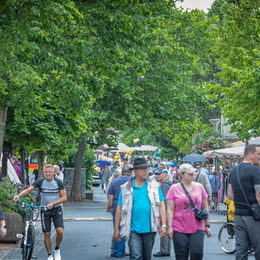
(57, 255)
(50, 257)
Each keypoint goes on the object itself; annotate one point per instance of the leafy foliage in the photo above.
(7, 192)
(237, 45)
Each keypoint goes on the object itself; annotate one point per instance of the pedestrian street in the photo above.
(88, 233)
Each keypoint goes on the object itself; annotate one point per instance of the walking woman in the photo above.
(184, 228)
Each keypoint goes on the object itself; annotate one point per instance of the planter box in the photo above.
(89, 194)
(15, 225)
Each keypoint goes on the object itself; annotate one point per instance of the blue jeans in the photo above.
(119, 247)
(141, 245)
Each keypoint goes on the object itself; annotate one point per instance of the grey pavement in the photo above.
(88, 232)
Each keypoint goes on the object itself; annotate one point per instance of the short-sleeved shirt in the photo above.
(184, 220)
(49, 190)
(215, 183)
(249, 176)
(115, 187)
(141, 210)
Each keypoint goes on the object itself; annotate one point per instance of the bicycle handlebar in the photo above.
(23, 204)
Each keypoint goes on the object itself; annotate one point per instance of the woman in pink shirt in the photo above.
(186, 231)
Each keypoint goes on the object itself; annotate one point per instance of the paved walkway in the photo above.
(81, 211)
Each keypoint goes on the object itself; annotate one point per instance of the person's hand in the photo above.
(16, 198)
(3, 231)
(50, 205)
(163, 232)
(117, 236)
(208, 231)
(170, 233)
(209, 199)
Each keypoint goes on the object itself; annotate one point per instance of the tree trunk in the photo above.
(40, 163)
(76, 193)
(3, 114)
(7, 151)
(4, 162)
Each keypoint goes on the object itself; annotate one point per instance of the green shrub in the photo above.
(7, 192)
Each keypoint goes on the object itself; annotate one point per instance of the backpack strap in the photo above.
(198, 176)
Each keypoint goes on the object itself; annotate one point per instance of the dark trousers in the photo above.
(141, 245)
(186, 245)
(247, 231)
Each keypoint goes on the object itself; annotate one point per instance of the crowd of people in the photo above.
(145, 200)
(173, 202)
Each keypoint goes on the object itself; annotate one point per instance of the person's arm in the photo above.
(3, 229)
(230, 193)
(23, 193)
(61, 176)
(257, 194)
(109, 202)
(170, 212)
(117, 236)
(63, 198)
(207, 226)
(207, 187)
(163, 229)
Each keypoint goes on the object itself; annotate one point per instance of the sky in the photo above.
(199, 4)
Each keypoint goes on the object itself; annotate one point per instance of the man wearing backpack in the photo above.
(52, 194)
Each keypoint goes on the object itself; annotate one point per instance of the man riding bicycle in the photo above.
(52, 194)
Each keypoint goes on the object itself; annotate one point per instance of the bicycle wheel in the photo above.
(28, 247)
(226, 238)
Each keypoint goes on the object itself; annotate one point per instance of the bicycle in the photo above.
(27, 243)
(226, 238)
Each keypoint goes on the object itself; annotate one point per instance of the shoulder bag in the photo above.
(200, 214)
(254, 208)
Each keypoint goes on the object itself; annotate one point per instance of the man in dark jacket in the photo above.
(165, 242)
(243, 188)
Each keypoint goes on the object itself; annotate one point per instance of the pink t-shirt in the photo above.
(184, 220)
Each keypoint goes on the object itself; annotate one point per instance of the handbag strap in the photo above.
(189, 197)
(239, 183)
(198, 176)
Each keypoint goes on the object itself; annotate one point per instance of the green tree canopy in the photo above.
(237, 44)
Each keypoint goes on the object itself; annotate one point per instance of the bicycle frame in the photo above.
(27, 243)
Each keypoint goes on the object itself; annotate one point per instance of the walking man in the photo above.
(52, 194)
(140, 206)
(247, 229)
(165, 242)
